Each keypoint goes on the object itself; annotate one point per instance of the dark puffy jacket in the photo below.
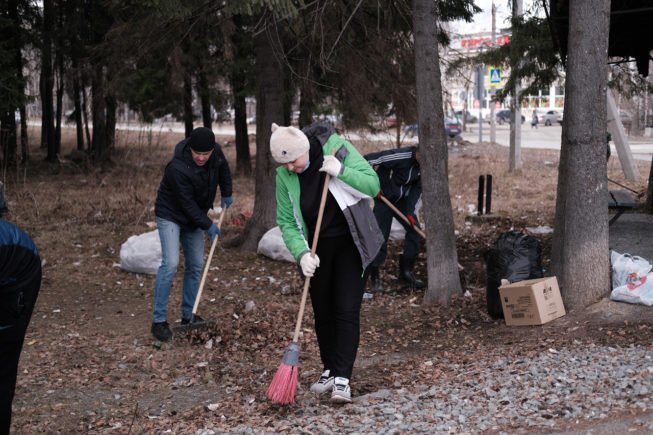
(20, 279)
(187, 191)
(17, 253)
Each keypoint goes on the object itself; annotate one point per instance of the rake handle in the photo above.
(316, 235)
(206, 267)
(402, 216)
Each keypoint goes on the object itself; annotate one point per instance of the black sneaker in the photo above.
(193, 319)
(161, 331)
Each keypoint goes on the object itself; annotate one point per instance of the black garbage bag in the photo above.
(515, 256)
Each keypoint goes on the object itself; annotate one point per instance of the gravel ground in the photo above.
(549, 392)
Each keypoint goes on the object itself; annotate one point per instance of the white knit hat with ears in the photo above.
(287, 143)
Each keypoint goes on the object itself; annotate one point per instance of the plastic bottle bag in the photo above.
(639, 292)
(628, 269)
(515, 257)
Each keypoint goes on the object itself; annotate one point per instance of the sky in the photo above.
(483, 20)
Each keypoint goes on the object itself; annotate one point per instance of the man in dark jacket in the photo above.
(399, 174)
(185, 196)
(20, 281)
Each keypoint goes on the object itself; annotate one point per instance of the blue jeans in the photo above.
(192, 242)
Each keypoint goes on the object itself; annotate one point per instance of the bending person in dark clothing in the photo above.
(399, 175)
(20, 281)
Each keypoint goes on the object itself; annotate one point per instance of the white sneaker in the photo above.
(324, 384)
(341, 393)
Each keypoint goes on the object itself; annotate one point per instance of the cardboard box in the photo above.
(531, 302)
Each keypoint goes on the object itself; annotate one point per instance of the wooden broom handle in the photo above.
(316, 235)
(208, 264)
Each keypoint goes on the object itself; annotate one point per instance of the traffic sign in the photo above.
(495, 76)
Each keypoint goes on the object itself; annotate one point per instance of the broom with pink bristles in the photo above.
(283, 387)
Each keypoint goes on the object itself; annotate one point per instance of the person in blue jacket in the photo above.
(20, 282)
(186, 194)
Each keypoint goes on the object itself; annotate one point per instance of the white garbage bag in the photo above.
(272, 246)
(141, 253)
(397, 231)
(627, 269)
(632, 279)
(640, 292)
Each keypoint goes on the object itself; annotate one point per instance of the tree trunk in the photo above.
(14, 89)
(579, 256)
(8, 139)
(306, 104)
(238, 53)
(649, 192)
(98, 111)
(59, 65)
(514, 160)
(78, 104)
(47, 83)
(442, 259)
(243, 157)
(205, 95)
(188, 102)
(269, 109)
(85, 112)
(111, 109)
(24, 140)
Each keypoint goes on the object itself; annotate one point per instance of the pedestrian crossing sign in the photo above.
(495, 76)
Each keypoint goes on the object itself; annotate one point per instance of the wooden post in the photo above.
(616, 129)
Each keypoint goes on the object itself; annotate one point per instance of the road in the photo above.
(550, 138)
(542, 137)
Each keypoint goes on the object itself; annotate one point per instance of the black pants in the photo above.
(336, 294)
(16, 305)
(384, 216)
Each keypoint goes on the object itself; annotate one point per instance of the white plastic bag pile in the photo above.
(272, 246)
(632, 279)
(142, 253)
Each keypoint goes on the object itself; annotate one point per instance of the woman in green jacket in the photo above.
(349, 238)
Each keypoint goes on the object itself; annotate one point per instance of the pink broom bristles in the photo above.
(283, 387)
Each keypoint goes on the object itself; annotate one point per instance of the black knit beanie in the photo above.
(202, 140)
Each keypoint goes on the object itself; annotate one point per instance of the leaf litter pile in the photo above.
(90, 364)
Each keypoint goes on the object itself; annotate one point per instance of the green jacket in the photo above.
(356, 173)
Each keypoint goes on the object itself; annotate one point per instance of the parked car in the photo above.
(469, 118)
(452, 128)
(503, 116)
(390, 121)
(551, 116)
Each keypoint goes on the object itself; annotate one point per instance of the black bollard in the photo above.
(488, 195)
(481, 188)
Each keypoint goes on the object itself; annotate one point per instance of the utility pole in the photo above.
(480, 95)
(515, 114)
(493, 121)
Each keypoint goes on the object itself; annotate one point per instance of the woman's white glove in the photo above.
(331, 166)
(309, 263)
